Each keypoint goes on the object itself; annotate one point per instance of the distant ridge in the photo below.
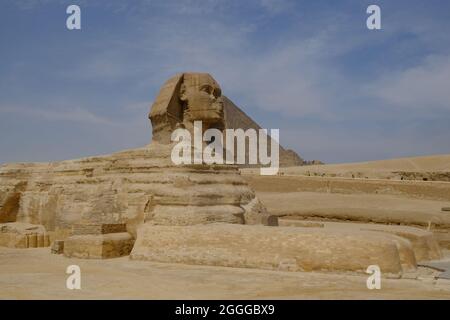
(423, 168)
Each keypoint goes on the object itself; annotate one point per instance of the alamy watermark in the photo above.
(73, 281)
(374, 280)
(73, 21)
(211, 147)
(373, 22)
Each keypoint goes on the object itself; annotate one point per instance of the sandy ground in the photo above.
(419, 164)
(37, 274)
(435, 167)
(426, 163)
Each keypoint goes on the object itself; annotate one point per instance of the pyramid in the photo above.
(235, 118)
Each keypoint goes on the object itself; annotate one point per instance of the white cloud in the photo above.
(276, 6)
(422, 87)
(75, 114)
(292, 78)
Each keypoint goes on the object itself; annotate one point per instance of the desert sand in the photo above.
(35, 274)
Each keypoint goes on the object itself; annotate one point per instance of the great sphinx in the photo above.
(132, 187)
(138, 203)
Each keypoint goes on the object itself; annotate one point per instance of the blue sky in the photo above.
(337, 91)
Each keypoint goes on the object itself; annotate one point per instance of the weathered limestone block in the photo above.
(256, 213)
(424, 243)
(58, 247)
(299, 223)
(405, 249)
(23, 235)
(100, 246)
(98, 241)
(187, 215)
(288, 248)
(12, 240)
(9, 200)
(421, 244)
(98, 228)
(32, 240)
(443, 238)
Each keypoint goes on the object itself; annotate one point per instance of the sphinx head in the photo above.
(202, 99)
(183, 99)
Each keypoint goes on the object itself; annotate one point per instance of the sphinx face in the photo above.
(203, 98)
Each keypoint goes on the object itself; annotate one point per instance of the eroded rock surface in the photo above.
(274, 248)
(23, 235)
